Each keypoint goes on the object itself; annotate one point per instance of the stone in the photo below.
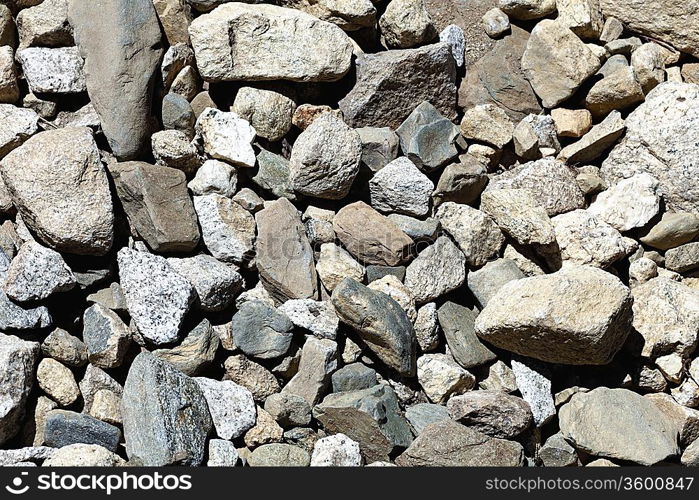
(423, 414)
(95, 380)
(53, 71)
(427, 327)
(83, 455)
(268, 112)
(556, 452)
(457, 323)
(217, 284)
(487, 123)
(454, 36)
(222, 453)
(379, 146)
(394, 288)
(391, 84)
(584, 17)
(351, 15)
(17, 359)
(158, 298)
(690, 456)
(279, 455)
(196, 351)
(371, 417)
(175, 17)
(45, 25)
(260, 331)
(62, 164)
(214, 177)
(400, 187)
(187, 83)
(428, 138)
(499, 377)
(36, 273)
(672, 230)
(266, 430)
(158, 206)
(172, 148)
(418, 230)
(166, 416)
(106, 337)
(121, 44)
(476, 234)
(494, 413)
(335, 264)
(571, 122)
(606, 422)
(284, 254)
(106, 406)
(63, 347)
(436, 271)
(57, 381)
(317, 317)
(442, 378)
(318, 361)
(226, 136)
(461, 182)
(177, 114)
(526, 10)
(585, 239)
(256, 378)
(486, 281)
(369, 236)
(231, 406)
(273, 174)
(631, 203)
(64, 428)
(289, 410)
(336, 451)
(21, 124)
(648, 63)
(556, 62)
(617, 91)
(9, 89)
(594, 332)
(405, 24)
(496, 23)
(612, 30)
(353, 377)
(597, 141)
(448, 443)
(533, 379)
(325, 159)
(652, 145)
(380, 322)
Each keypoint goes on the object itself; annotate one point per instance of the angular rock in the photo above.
(53, 71)
(256, 378)
(460, 182)
(672, 230)
(353, 377)
(336, 451)
(494, 413)
(379, 146)
(571, 122)
(401, 188)
(106, 336)
(226, 136)
(597, 141)
(436, 271)
(457, 322)
(173, 148)
(57, 381)
(533, 379)
(405, 24)
(63, 347)
(36, 273)
(631, 203)
(617, 91)
(17, 360)
(288, 410)
(317, 317)
(556, 452)
(583, 17)
(64, 428)
(196, 351)
(423, 414)
(318, 361)
(9, 89)
(476, 234)
(487, 123)
(260, 331)
(45, 25)
(394, 288)
(279, 455)
(486, 281)
(214, 177)
(217, 284)
(335, 264)
(520, 215)
(232, 407)
(442, 378)
(21, 124)
(268, 112)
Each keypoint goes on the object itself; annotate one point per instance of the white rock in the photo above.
(400, 187)
(336, 451)
(17, 361)
(222, 453)
(214, 177)
(534, 382)
(232, 406)
(335, 264)
(427, 327)
(227, 137)
(476, 234)
(441, 377)
(317, 317)
(394, 288)
(53, 71)
(631, 203)
(454, 36)
(36, 273)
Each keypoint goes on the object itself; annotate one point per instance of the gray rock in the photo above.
(534, 383)
(17, 360)
(196, 351)
(173, 148)
(284, 254)
(64, 428)
(379, 146)
(458, 324)
(318, 361)
(427, 327)
(353, 377)
(436, 271)
(682, 258)
(62, 164)
(64, 347)
(217, 284)
(370, 417)
(494, 413)
(419, 230)
(405, 24)
(380, 322)
(556, 452)
(21, 124)
(428, 138)
(94, 381)
(45, 25)
(231, 406)
(111, 298)
(607, 422)
(25, 455)
(120, 41)
(486, 281)
(461, 182)
(260, 331)
(158, 298)
(36, 273)
(322, 51)
(391, 84)
(273, 174)
(400, 187)
(267, 111)
(374, 273)
(336, 451)
(53, 71)
(289, 410)
(476, 234)
(279, 455)
(423, 414)
(350, 16)
(106, 336)
(690, 456)
(166, 417)
(177, 114)
(317, 317)
(222, 453)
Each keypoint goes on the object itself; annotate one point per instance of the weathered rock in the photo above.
(217, 284)
(571, 122)
(53, 71)
(606, 422)
(400, 187)
(441, 377)
(317, 317)
(499, 377)
(379, 146)
(177, 114)
(61, 190)
(36, 273)
(557, 452)
(63, 347)
(57, 381)
(592, 311)
(279, 455)
(106, 337)
(436, 271)
(45, 25)
(267, 111)
(336, 451)
(260, 331)
(617, 91)
(533, 379)
(461, 182)
(222, 453)
(288, 409)
(335, 264)
(527, 9)
(21, 124)
(9, 88)
(84, 455)
(64, 428)
(266, 430)
(457, 322)
(232, 406)
(256, 378)
(380, 322)
(486, 281)
(476, 234)
(682, 258)
(496, 23)
(196, 351)
(284, 255)
(423, 414)
(584, 17)
(175, 17)
(318, 361)
(120, 41)
(487, 123)
(353, 377)
(166, 417)
(672, 230)
(597, 141)
(17, 359)
(631, 203)
(494, 413)
(226, 136)
(214, 177)
(405, 24)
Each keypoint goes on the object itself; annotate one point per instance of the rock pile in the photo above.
(347, 232)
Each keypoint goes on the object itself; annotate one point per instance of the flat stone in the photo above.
(442, 378)
(595, 142)
(17, 360)
(260, 331)
(231, 405)
(436, 271)
(631, 203)
(64, 428)
(37, 273)
(317, 317)
(476, 234)
(318, 361)
(457, 323)
(428, 138)
(672, 230)
(494, 413)
(226, 136)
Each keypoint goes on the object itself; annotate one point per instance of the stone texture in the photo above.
(63, 428)
(21, 124)
(487, 123)
(335, 264)
(533, 379)
(217, 284)
(256, 378)
(260, 331)
(231, 406)
(317, 317)
(595, 142)
(17, 359)
(631, 203)
(214, 177)
(436, 271)
(226, 136)
(441, 377)
(106, 337)
(336, 451)
(53, 71)
(476, 234)
(672, 230)
(401, 188)
(405, 24)
(37, 273)
(318, 361)
(457, 322)
(494, 413)
(57, 381)
(196, 351)
(486, 281)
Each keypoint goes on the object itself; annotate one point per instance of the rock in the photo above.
(121, 44)
(594, 332)
(418, 230)
(222, 453)
(317, 317)
(371, 417)
(379, 146)
(584, 17)
(427, 327)
(268, 112)
(157, 205)
(228, 230)
(491, 412)
(441, 377)
(289, 410)
(499, 377)
(175, 17)
(652, 145)
(613, 29)
(557, 62)
(380, 322)
(232, 407)
(63, 347)
(64, 428)
(226, 136)
(672, 230)
(673, 26)
(461, 182)
(166, 417)
(266, 430)
(496, 23)
(428, 138)
(260, 331)
(556, 452)
(353, 377)
(17, 359)
(284, 254)
(436, 271)
(62, 164)
(273, 174)
(172, 148)
(336, 451)
(487, 123)
(526, 10)
(45, 25)
(486, 281)
(217, 284)
(603, 422)
(631, 203)
(111, 297)
(454, 36)
(619, 90)
(690, 456)
(214, 177)
(682, 258)
(318, 361)
(53, 71)
(448, 443)
(335, 264)
(279, 455)
(533, 380)
(597, 141)
(400, 187)
(177, 114)
(57, 381)
(106, 406)
(256, 378)
(648, 63)
(476, 234)
(423, 414)
(158, 298)
(571, 122)
(195, 352)
(84, 455)
(36, 273)
(394, 288)
(405, 24)
(350, 16)
(21, 124)
(9, 89)
(369, 236)
(457, 322)
(106, 336)
(96, 380)
(585, 239)
(391, 84)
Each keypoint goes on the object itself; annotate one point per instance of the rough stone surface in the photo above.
(436, 271)
(476, 234)
(260, 331)
(491, 412)
(631, 203)
(226, 136)
(231, 406)
(17, 359)
(457, 322)
(400, 187)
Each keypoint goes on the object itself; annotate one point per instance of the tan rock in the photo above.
(571, 122)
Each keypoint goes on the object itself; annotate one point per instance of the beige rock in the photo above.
(57, 381)
(487, 123)
(476, 234)
(9, 89)
(583, 17)
(441, 377)
(632, 203)
(519, 215)
(84, 455)
(106, 406)
(175, 16)
(618, 91)
(394, 288)
(571, 122)
(596, 141)
(266, 430)
(527, 9)
(405, 24)
(335, 264)
(269, 112)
